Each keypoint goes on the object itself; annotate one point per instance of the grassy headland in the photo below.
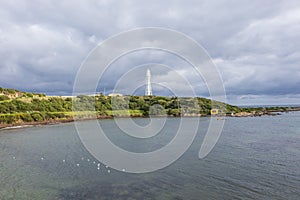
(19, 108)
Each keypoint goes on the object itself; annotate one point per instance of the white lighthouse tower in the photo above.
(148, 91)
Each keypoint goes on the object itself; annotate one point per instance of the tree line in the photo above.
(38, 108)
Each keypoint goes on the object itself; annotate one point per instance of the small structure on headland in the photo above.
(115, 95)
(215, 112)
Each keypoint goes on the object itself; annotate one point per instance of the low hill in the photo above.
(22, 107)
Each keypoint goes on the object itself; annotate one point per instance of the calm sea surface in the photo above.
(255, 158)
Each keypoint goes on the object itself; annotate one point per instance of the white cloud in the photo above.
(255, 44)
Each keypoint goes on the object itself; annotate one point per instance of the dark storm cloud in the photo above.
(255, 44)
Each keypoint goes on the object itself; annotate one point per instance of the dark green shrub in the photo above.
(3, 98)
(26, 117)
(37, 117)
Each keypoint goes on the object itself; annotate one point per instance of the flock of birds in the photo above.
(94, 162)
(88, 160)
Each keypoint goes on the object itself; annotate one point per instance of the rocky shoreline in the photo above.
(266, 112)
(47, 122)
(71, 119)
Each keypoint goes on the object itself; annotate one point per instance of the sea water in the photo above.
(255, 158)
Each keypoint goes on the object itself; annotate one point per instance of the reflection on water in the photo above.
(255, 158)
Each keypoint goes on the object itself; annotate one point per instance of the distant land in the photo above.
(24, 108)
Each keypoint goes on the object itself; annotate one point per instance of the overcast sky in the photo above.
(255, 44)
